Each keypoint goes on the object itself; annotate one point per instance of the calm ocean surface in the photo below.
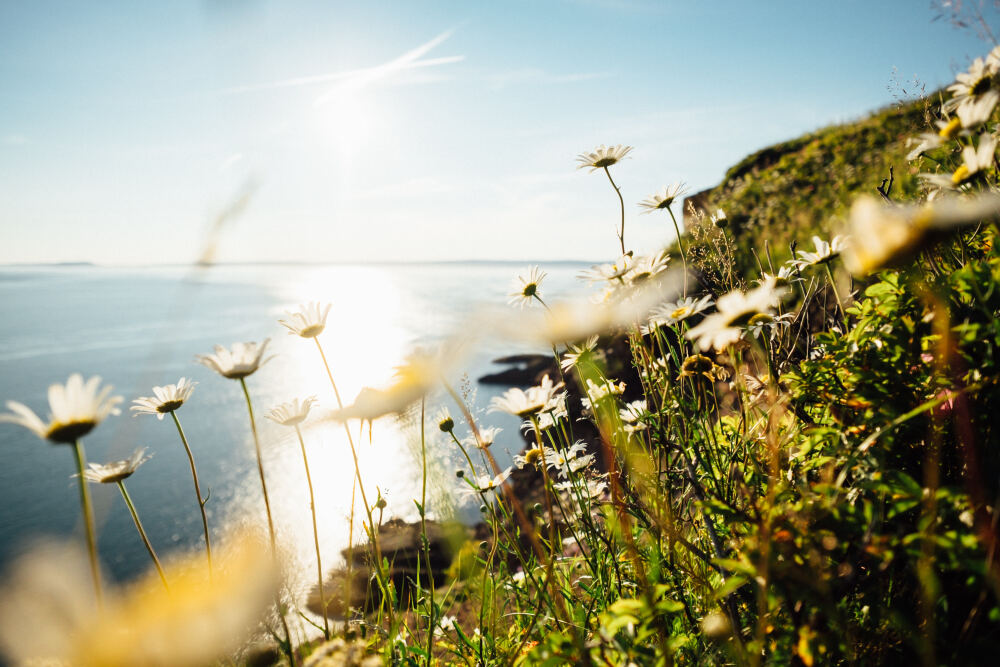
(137, 328)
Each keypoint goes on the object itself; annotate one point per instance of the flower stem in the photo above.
(142, 533)
(197, 491)
(312, 509)
(836, 295)
(680, 245)
(621, 234)
(287, 644)
(88, 520)
(373, 532)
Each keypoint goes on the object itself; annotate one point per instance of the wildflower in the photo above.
(530, 458)
(74, 410)
(603, 157)
(115, 471)
(413, 379)
(734, 311)
(783, 278)
(647, 267)
(445, 624)
(664, 198)
(487, 436)
(972, 114)
(927, 141)
(309, 322)
(634, 415)
(526, 404)
(554, 412)
(976, 84)
(882, 234)
(484, 484)
(656, 368)
(568, 461)
(445, 423)
(291, 413)
(675, 312)
(698, 365)
(165, 399)
(974, 161)
(612, 273)
(585, 353)
(47, 612)
(762, 323)
(242, 360)
(825, 253)
(525, 290)
(720, 219)
(595, 487)
(598, 392)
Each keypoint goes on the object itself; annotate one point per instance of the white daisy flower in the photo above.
(164, 399)
(585, 353)
(719, 218)
(971, 85)
(570, 460)
(974, 112)
(555, 411)
(485, 485)
(74, 410)
(292, 413)
(676, 311)
(531, 458)
(611, 273)
(308, 322)
(664, 198)
(526, 290)
(603, 157)
(526, 403)
(597, 392)
(242, 360)
(974, 160)
(634, 415)
(487, 436)
(825, 252)
(115, 471)
(733, 313)
(647, 267)
(881, 234)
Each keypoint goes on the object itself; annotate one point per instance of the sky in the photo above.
(413, 131)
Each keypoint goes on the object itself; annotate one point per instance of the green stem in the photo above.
(197, 491)
(680, 245)
(836, 295)
(423, 532)
(621, 234)
(373, 531)
(88, 521)
(312, 509)
(142, 533)
(270, 520)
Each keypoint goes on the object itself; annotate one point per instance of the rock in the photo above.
(527, 368)
(400, 544)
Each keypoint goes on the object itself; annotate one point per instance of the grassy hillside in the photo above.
(792, 190)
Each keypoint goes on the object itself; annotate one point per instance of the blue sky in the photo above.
(413, 130)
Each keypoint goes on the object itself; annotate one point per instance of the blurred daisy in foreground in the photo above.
(975, 84)
(603, 157)
(46, 614)
(308, 322)
(884, 234)
(664, 198)
(237, 363)
(613, 273)
(165, 399)
(525, 290)
(733, 313)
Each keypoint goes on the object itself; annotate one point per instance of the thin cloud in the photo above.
(533, 75)
(357, 77)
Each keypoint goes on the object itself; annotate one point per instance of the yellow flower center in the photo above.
(312, 330)
(961, 175)
(70, 432)
(951, 129)
(680, 313)
(532, 456)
